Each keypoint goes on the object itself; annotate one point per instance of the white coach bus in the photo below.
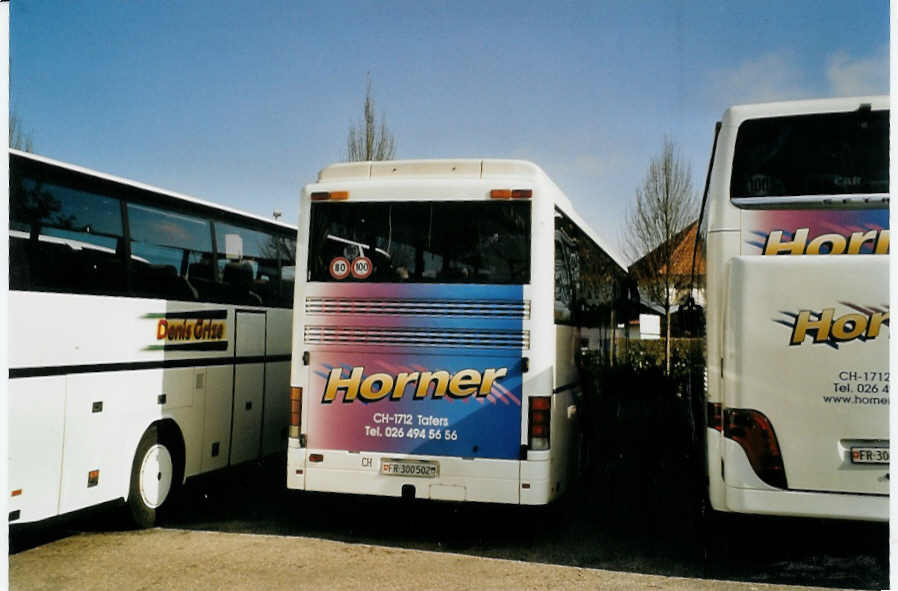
(796, 223)
(439, 307)
(149, 339)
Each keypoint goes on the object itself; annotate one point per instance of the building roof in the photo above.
(681, 259)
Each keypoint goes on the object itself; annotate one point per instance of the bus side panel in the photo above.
(277, 383)
(721, 245)
(563, 429)
(217, 417)
(37, 413)
(277, 407)
(119, 407)
(90, 430)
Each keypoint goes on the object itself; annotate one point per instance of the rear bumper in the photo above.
(808, 504)
(741, 491)
(483, 480)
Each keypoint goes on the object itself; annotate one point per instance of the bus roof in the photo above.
(738, 113)
(144, 187)
(461, 168)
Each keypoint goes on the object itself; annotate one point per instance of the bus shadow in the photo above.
(637, 511)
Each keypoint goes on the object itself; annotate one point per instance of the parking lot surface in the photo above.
(177, 559)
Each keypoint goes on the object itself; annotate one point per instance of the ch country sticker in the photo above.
(871, 241)
(830, 327)
(418, 384)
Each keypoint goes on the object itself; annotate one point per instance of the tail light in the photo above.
(295, 411)
(753, 431)
(714, 416)
(540, 416)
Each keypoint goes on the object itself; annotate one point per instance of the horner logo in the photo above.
(378, 386)
(864, 323)
(878, 241)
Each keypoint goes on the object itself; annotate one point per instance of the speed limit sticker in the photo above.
(339, 268)
(361, 267)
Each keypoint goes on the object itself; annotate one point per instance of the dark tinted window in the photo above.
(171, 254)
(465, 242)
(589, 285)
(64, 239)
(826, 154)
(250, 265)
(67, 234)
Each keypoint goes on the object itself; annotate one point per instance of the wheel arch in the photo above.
(170, 431)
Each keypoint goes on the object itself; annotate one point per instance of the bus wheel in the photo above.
(155, 473)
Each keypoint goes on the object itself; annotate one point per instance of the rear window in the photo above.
(820, 154)
(421, 242)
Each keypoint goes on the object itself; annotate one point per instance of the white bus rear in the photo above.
(433, 356)
(797, 241)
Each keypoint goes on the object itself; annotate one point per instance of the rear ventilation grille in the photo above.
(470, 308)
(333, 335)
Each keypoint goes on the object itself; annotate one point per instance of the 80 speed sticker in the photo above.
(339, 268)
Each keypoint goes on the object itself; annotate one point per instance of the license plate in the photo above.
(869, 455)
(412, 468)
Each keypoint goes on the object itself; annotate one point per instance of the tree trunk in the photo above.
(667, 343)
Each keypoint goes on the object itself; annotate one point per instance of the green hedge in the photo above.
(635, 418)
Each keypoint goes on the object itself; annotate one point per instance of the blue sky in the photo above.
(242, 103)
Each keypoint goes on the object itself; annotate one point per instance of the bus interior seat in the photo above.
(238, 276)
(164, 281)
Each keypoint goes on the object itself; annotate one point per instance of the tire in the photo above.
(156, 473)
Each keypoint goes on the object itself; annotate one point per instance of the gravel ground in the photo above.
(178, 559)
(642, 528)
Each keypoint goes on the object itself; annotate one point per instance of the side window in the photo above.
(249, 264)
(564, 283)
(171, 254)
(288, 271)
(64, 239)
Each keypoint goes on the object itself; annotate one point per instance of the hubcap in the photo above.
(156, 471)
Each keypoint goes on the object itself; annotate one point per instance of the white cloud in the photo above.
(849, 76)
(769, 77)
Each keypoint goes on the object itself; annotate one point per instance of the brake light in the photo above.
(329, 196)
(714, 416)
(753, 431)
(540, 415)
(295, 411)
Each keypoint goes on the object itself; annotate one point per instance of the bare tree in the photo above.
(19, 139)
(366, 141)
(665, 206)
